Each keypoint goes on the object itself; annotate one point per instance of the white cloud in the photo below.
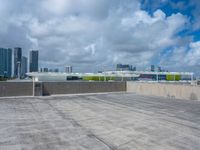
(185, 58)
(57, 7)
(192, 57)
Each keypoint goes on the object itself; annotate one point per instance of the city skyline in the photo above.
(20, 64)
(97, 35)
(14, 64)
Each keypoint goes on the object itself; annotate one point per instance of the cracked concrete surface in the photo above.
(99, 122)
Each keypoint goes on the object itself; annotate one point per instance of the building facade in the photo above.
(56, 70)
(24, 66)
(33, 64)
(68, 69)
(165, 76)
(125, 67)
(159, 69)
(44, 69)
(5, 62)
(17, 61)
(152, 68)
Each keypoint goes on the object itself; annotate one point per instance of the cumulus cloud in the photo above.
(90, 35)
(192, 57)
(183, 58)
(195, 4)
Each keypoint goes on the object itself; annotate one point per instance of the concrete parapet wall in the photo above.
(176, 91)
(187, 92)
(16, 89)
(53, 88)
(8, 89)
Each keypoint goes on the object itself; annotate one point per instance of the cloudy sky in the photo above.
(94, 35)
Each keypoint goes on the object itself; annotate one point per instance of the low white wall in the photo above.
(176, 91)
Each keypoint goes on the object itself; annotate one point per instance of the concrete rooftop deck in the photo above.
(99, 122)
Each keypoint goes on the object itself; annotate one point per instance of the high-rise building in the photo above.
(24, 66)
(134, 69)
(125, 67)
(17, 61)
(68, 69)
(159, 69)
(56, 70)
(152, 68)
(44, 70)
(33, 64)
(5, 62)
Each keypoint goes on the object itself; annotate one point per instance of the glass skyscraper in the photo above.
(68, 69)
(17, 61)
(24, 67)
(33, 64)
(5, 62)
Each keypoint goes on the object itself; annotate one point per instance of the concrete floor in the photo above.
(99, 122)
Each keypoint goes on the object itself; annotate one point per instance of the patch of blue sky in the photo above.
(196, 35)
(169, 7)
